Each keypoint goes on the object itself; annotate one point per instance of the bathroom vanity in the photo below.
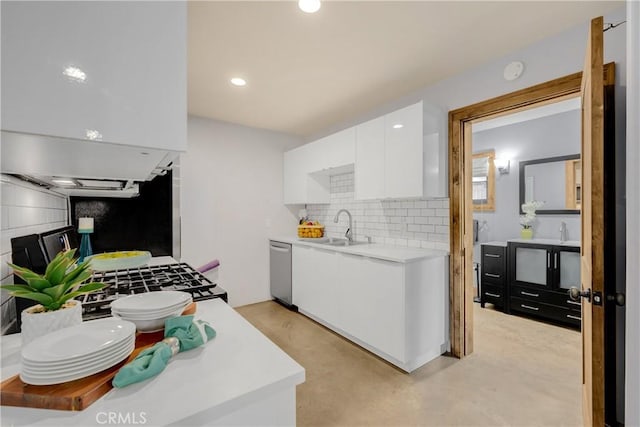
(538, 275)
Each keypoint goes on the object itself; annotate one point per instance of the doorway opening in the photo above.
(525, 260)
(461, 188)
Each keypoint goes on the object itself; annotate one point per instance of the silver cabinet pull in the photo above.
(529, 294)
(530, 308)
(548, 259)
(492, 255)
(492, 295)
(574, 302)
(555, 261)
(497, 276)
(574, 317)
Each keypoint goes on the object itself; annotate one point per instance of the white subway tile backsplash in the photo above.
(401, 222)
(420, 204)
(27, 209)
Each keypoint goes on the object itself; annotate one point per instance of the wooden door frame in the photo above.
(461, 217)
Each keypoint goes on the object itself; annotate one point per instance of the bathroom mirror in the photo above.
(556, 181)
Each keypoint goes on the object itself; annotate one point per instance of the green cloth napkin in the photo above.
(190, 333)
(150, 362)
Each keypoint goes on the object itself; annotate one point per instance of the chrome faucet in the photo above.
(349, 233)
(563, 232)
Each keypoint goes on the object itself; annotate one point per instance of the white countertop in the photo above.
(556, 242)
(372, 250)
(504, 244)
(237, 368)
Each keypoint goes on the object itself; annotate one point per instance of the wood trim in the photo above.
(593, 221)
(573, 178)
(467, 223)
(459, 283)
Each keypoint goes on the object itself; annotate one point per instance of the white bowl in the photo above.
(153, 324)
(151, 301)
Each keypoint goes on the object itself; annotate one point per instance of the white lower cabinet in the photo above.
(398, 311)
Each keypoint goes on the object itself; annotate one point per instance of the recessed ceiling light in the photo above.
(93, 135)
(237, 81)
(309, 6)
(398, 126)
(75, 74)
(62, 181)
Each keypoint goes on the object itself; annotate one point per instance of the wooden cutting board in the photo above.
(74, 395)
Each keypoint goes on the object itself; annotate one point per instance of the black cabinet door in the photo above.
(530, 265)
(566, 267)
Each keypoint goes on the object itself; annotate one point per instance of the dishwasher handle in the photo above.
(281, 249)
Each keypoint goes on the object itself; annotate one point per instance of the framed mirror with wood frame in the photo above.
(483, 192)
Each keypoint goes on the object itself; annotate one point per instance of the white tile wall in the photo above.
(24, 209)
(419, 223)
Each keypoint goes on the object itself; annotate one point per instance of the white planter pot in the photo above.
(35, 325)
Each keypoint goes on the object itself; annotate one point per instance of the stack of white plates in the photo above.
(149, 310)
(77, 352)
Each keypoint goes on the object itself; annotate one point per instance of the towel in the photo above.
(181, 334)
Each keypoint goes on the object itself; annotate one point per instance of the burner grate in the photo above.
(167, 277)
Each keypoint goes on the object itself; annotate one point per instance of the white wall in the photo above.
(231, 203)
(25, 209)
(412, 222)
(551, 136)
(632, 411)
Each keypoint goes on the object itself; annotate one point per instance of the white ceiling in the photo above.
(306, 72)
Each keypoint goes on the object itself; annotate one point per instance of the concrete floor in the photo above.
(522, 373)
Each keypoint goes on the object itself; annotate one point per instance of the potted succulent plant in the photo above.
(54, 291)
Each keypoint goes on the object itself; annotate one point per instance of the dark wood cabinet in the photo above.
(539, 279)
(493, 282)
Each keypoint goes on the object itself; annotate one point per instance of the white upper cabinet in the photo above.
(294, 177)
(370, 161)
(307, 169)
(105, 71)
(390, 156)
(403, 152)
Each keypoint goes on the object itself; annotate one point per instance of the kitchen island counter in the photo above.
(238, 378)
(373, 250)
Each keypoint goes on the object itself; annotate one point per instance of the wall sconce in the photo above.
(502, 165)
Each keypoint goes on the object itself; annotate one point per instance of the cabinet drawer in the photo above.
(494, 264)
(548, 297)
(559, 314)
(493, 294)
(493, 278)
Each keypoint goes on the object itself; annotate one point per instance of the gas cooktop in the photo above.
(168, 277)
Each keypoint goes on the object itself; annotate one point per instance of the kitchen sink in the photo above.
(342, 242)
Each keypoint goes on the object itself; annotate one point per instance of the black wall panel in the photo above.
(140, 223)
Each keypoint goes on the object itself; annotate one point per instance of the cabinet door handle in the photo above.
(492, 295)
(530, 308)
(555, 261)
(548, 260)
(497, 276)
(529, 294)
(574, 317)
(574, 302)
(492, 255)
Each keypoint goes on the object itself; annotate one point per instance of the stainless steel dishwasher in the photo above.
(280, 272)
